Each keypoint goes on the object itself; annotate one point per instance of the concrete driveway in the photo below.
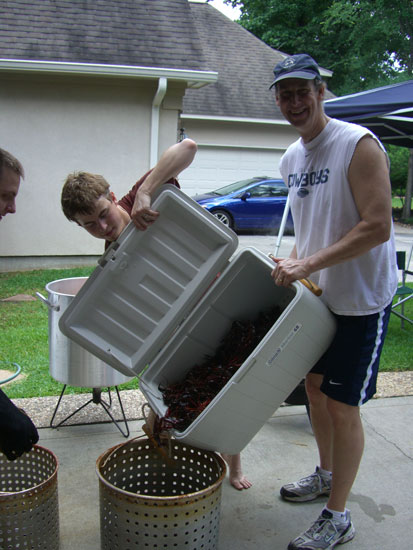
(267, 243)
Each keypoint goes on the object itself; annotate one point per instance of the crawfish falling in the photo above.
(188, 398)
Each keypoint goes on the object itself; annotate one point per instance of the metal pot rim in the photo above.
(59, 293)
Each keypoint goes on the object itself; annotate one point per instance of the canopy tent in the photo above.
(386, 111)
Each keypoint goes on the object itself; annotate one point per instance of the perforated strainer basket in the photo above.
(149, 500)
(29, 509)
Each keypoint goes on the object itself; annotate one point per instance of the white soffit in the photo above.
(194, 79)
(236, 119)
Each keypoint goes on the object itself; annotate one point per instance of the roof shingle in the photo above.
(118, 32)
(169, 34)
(245, 69)
(244, 64)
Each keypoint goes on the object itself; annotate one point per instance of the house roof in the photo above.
(169, 34)
(244, 64)
(117, 32)
(245, 69)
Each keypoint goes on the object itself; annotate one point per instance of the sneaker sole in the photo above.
(349, 535)
(291, 497)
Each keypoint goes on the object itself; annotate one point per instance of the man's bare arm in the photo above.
(173, 161)
(371, 189)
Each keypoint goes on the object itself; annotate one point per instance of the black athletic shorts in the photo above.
(351, 363)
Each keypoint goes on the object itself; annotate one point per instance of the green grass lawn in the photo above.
(24, 335)
(24, 328)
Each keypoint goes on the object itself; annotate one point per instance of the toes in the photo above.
(241, 483)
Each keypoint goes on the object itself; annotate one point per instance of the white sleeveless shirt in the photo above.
(324, 210)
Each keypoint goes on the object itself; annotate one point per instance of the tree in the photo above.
(398, 169)
(366, 43)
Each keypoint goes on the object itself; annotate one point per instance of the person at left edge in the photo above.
(18, 434)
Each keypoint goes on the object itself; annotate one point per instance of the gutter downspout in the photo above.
(156, 105)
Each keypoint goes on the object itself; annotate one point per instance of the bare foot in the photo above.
(236, 477)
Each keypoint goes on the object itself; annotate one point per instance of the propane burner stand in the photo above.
(97, 400)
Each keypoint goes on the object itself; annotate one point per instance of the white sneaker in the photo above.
(307, 488)
(324, 534)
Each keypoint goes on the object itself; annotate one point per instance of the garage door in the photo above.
(215, 167)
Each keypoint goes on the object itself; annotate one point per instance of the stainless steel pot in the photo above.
(69, 363)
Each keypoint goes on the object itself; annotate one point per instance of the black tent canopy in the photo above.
(386, 111)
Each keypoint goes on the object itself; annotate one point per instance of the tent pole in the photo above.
(282, 226)
(407, 209)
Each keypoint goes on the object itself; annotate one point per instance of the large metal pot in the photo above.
(69, 363)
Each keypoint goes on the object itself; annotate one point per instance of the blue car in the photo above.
(255, 204)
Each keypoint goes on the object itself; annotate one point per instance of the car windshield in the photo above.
(232, 187)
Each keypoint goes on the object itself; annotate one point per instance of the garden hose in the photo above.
(12, 376)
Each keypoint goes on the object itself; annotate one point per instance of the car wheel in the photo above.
(224, 217)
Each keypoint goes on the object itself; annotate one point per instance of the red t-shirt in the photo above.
(127, 201)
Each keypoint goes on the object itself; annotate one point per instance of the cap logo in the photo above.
(296, 66)
(289, 62)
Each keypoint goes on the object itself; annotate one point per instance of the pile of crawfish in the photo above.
(187, 399)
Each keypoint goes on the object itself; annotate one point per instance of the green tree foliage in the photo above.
(398, 169)
(366, 43)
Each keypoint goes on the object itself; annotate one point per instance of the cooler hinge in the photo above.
(109, 255)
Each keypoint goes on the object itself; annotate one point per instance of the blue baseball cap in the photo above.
(300, 65)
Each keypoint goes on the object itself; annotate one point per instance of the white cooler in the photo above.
(154, 308)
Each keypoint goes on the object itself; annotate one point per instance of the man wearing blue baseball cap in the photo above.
(338, 179)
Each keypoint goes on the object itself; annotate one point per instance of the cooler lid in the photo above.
(147, 282)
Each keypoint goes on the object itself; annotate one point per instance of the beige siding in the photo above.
(57, 126)
(233, 151)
